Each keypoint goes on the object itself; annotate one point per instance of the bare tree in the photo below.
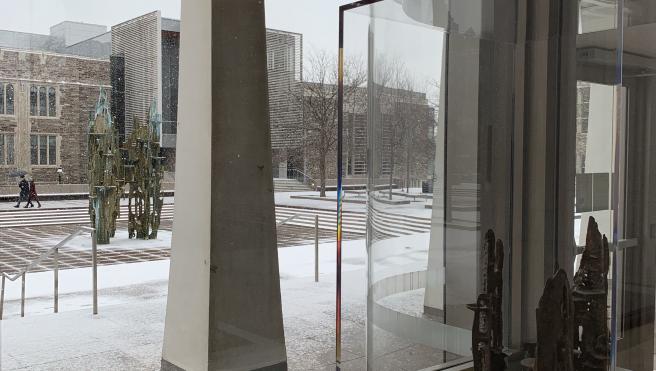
(407, 117)
(319, 102)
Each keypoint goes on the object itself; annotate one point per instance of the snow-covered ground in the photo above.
(294, 262)
(40, 284)
(121, 241)
(416, 207)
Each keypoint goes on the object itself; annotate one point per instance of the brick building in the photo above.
(45, 100)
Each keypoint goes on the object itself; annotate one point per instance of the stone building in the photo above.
(408, 135)
(137, 61)
(45, 100)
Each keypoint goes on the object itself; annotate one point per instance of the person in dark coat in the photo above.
(24, 191)
(33, 196)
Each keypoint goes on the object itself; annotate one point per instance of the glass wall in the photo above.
(636, 226)
(532, 163)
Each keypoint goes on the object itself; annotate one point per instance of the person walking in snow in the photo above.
(24, 191)
(33, 195)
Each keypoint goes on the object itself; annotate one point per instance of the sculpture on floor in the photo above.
(144, 172)
(572, 325)
(105, 171)
(487, 330)
(555, 325)
(590, 297)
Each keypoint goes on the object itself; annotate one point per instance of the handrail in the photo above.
(45, 254)
(287, 220)
(55, 249)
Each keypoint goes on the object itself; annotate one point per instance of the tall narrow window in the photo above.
(33, 101)
(52, 102)
(9, 98)
(43, 150)
(9, 142)
(43, 105)
(52, 150)
(2, 99)
(2, 149)
(34, 149)
(271, 59)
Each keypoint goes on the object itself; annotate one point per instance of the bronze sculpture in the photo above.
(572, 325)
(555, 325)
(105, 169)
(590, 296)
(144, 176)
(487, 330)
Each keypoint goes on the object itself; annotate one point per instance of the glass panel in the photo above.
(43, 150)
(42, 102)
(52, 150)
(33, 100)
(52, 102)
(583, 193)
(525, 146)
(34, 149)
(636, 177)
(600, 191)
(9, 141)
(424, 242)
(10, 99)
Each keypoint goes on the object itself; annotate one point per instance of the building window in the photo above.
(52, 102)
(6, 99)
(271, 59)
(43, 149)
(33, 99)
(43, 101)
(6, 149)
(10, 99)
(289, 59)
(43, 105)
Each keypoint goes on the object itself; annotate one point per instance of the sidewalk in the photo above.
(127, 335)
(61, 204)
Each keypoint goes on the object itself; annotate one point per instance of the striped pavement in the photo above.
(385, 223)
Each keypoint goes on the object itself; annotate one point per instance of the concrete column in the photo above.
(549, 150)
(224, 307)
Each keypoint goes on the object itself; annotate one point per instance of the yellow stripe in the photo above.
(340, 69)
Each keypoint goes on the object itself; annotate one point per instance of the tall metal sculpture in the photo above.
(105, 171)
(555, 326)
(144, 177)
(572, 325)
(590, 296)
(487, 330)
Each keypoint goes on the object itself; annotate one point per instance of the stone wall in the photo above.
(77, 82)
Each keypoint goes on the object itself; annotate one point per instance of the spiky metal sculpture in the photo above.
(144, 177)
(105, 171)
(590, 296)
(572, 323)
(487, 329)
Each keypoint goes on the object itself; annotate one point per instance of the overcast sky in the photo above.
(317, 20)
